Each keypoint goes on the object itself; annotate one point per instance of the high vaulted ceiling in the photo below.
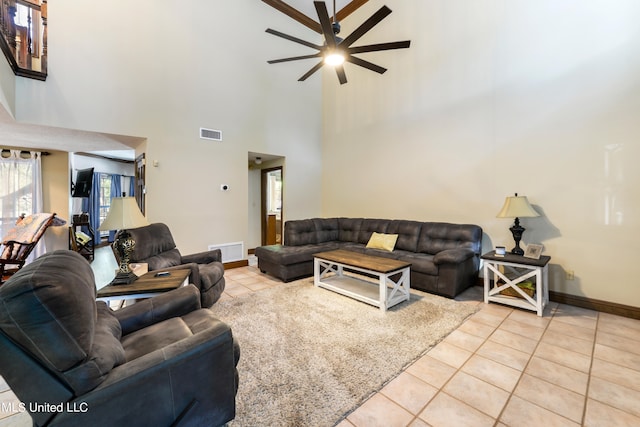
(32, 136)
(306, 6)
(305, 13)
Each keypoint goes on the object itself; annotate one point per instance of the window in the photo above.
(20, 187)
(105, 199)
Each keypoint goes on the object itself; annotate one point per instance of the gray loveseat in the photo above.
(445, 258)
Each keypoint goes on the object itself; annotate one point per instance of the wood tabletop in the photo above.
(368, 262)
(147, 283)
(517, 259)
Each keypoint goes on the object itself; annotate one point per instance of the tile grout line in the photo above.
(552, 313)
(458, 370)
(593, 355)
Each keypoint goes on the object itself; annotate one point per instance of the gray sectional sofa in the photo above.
(445, 258)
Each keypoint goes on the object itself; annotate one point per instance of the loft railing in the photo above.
(23, 28)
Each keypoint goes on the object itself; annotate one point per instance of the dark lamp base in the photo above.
(124, 278)
(517, 230)
(517, 251)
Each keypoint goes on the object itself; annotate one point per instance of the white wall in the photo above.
(162, 70)
(7, 87)
(496, 97)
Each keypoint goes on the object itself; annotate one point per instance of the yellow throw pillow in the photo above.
(382, 241)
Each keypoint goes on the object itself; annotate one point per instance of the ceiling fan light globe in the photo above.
(334, 59)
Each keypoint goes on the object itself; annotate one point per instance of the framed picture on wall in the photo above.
(533, 251)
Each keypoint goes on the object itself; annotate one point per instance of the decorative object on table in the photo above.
(500, 250)
(527, 287)
(533, 251)
(138, 268)
(124, 213)
(335, 50)
(517, 207)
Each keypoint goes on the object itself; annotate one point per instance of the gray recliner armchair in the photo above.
(73, 361)
(155, 246)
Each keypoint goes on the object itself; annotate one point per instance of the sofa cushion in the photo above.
(301, 232)
(326, 229)
(151, 240)
(439, 236)
(288, 255)
(421, 263)
(161, 334)
(106, 352)
(154, 337)
(49, 308)
(382, 241)
(408, 233)
(35, 308)
(369, 226)
(350, 230)
(166, 259)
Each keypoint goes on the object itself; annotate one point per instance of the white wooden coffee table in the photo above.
(329, 273)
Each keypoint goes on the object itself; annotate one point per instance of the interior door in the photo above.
(271, 205)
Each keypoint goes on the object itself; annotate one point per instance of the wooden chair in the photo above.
(20, 241)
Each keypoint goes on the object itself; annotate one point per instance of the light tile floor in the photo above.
(502, 367)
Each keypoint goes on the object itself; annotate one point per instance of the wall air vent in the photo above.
(230, 251)
(212, 134)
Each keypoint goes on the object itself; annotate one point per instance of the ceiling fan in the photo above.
(335, 50)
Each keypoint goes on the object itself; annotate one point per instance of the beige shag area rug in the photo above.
(310, 356)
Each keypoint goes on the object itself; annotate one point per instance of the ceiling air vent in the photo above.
(212, 134)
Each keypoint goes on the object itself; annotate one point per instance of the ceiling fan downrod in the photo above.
(335, 25)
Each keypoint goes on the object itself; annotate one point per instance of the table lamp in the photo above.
(517, 207)
(124, 213)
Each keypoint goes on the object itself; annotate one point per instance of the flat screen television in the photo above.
(84, 180)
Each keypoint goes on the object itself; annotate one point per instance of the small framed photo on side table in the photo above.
(533, 251)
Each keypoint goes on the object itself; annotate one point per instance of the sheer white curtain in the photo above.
(20, 189)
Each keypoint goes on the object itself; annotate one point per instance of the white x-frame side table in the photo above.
(517, 269)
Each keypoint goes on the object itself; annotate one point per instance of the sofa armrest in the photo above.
(453, 256)
(177, 302)
(194, 276)
(205, 257)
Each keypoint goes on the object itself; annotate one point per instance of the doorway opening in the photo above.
(266, 199)
(271, 196)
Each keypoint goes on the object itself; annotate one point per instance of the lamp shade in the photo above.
(517, 207)
(124, 213)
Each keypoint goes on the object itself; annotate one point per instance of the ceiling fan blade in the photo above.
(294, 58)
(342, 76)
(325, 24)
(311, 71)
(382, 13)
(294, 39)
(380, 46)
(349, 9)
(366, 64)
(294, 14)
